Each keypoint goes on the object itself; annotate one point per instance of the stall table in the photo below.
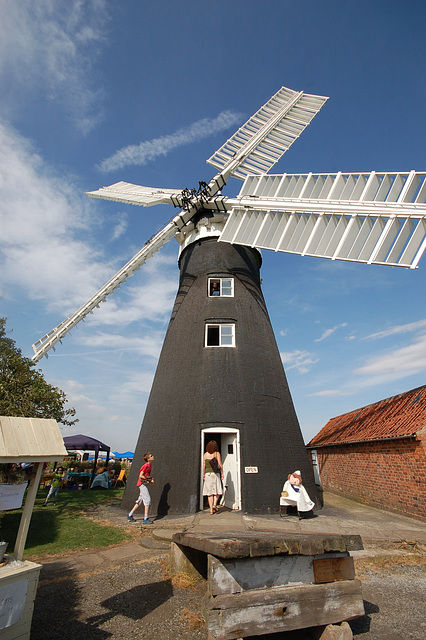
(80, 480)
(34, 440)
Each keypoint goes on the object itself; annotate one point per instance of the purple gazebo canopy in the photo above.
(86, 443)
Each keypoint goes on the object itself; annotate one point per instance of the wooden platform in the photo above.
(266, 543)
(266, 582)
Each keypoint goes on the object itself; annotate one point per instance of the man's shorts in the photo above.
(144, 496)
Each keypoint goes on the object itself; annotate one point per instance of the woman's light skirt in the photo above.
(212, 485)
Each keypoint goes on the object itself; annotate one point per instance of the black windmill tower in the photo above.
(220, 375)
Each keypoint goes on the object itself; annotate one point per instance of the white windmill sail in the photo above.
(135, 194)
(375, 218)
(47, 342)
(267, 135)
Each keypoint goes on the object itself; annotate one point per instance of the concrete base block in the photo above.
(186, 560)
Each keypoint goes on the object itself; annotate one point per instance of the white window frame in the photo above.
(221, 294)
(220, 325)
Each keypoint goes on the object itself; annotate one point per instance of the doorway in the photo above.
(228, 441)
(317, 477)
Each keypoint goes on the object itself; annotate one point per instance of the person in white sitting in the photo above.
(294, 494)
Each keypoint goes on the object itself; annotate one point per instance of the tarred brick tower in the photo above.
(220, 376)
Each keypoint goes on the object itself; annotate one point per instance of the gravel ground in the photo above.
(137, 599)
(394, 600)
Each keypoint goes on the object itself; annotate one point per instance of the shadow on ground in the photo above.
(61, 607)
(135, 603)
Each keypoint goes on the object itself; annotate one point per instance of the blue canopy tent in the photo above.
(80, 442)
(121, 456)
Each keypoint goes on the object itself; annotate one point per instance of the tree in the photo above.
(23, 389)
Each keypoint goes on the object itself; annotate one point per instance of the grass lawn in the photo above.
(56, 530)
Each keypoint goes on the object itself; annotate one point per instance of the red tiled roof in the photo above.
(401, 415)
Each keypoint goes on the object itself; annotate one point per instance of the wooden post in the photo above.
(27, 512)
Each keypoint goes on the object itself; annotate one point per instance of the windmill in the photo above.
(220, 375)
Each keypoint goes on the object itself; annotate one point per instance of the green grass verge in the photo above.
(57, 530)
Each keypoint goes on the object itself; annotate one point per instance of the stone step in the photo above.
(149, 542)
(164, 535)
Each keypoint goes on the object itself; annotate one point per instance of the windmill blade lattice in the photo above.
(375, 218)
(135, 194)
(268, 134)
(401, 188)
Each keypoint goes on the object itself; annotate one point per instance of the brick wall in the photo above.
(390, 474)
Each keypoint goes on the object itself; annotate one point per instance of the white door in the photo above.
(231, 475)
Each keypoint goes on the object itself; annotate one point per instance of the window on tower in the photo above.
(220, 335)
(221, 287)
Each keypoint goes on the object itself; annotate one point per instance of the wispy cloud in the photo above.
(146, 302)
(135, 383)
(148, 345)
(95, 410)
(53, 46)
(330, 393)
(401, 328)
(297, 359)
(42, 217)
(120, 228)
(383, 368)
(140, 154)
(328, 332)
(48, 246)
(103, 406)
(397, 363)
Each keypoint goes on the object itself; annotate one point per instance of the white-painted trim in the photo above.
(220, 325)
(220, 278)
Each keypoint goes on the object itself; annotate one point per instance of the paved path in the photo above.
(381, 531)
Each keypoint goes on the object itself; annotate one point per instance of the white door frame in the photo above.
(224, 430)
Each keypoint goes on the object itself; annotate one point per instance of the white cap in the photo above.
(297, 473)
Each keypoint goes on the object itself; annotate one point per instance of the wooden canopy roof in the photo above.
(30, 440)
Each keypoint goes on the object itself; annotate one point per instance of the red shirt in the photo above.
(145, 471)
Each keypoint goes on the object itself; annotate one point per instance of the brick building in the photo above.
(377, 454)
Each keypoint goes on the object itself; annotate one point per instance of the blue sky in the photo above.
(100, 91)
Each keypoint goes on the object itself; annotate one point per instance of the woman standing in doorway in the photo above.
(212, 475)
